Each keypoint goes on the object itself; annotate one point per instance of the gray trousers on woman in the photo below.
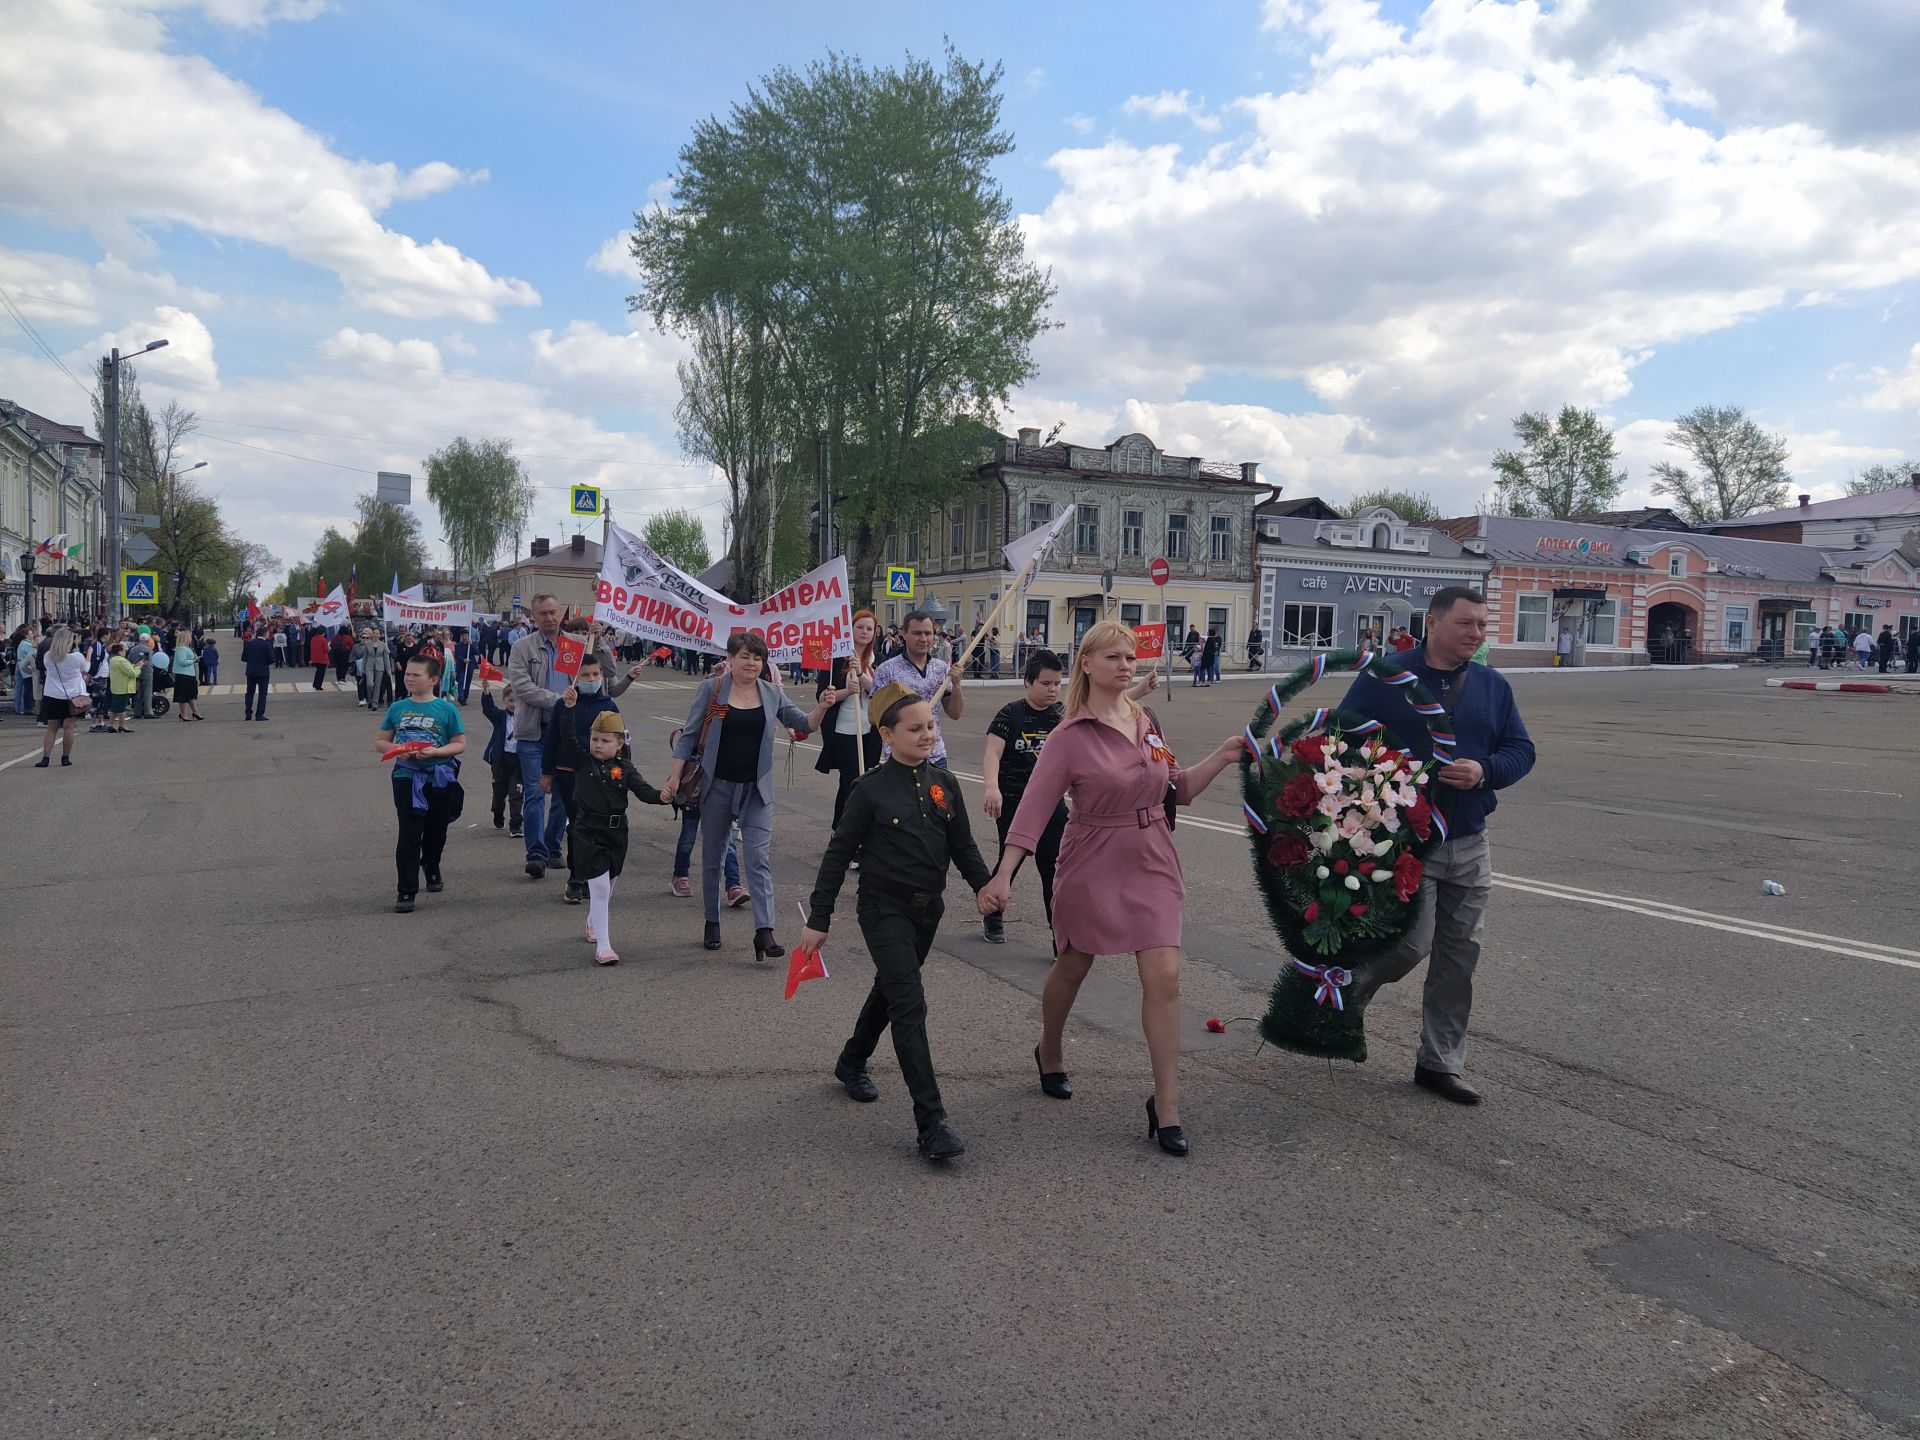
(725, 804)
(1453, 912)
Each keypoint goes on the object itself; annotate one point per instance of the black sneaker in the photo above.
(514, 830)
(434, 883)
(938, 1142)
(537, 869)
(857, 1083)
(576, 893)
(499, 821)
(994, 928)
(403, 905)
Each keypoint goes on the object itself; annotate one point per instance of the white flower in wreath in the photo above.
(1351, 824)
(1323, 839)
(1380, 876)
(1330, 805)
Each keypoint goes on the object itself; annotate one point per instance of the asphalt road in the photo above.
(280, 1162)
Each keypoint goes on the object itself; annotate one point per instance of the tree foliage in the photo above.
(1564, 468)
(1739, 467)
(1878, 477)
(679, 535)
(1413, 506)
(387, 539)
(850, 276)
(484, 498)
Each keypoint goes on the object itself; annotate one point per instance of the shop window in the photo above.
(893, 547)
(893, 616)
(1037, 612)
(1176, 537)
(1130, 616)
(1908, 624)
(957, 532)
(1086, 530)
(1222, 531)
(1677, 563)
(1805, 623)
(1133, 527)
(1603, 626)
(1736, 626)
(1530, 619)
(1306, 627)
(1039, 512)
(1176, 626)
(1856, 620)
(913, 543)
(980, 528)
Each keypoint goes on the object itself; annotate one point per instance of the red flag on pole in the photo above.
(804, 965)
(816, 651)
(489, 671)
(572, 652)
(253, 608)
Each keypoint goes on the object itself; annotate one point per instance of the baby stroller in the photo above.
(162, 689)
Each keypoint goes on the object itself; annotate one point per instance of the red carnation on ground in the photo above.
(1216, 1025)
(1312, 912)
(1420, 817)
(1407, 871)
(1298, 796)
(1288, 851)
(1313, 749)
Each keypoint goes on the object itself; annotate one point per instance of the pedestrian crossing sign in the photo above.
(139, 587)
(586, 499)
(900, 582)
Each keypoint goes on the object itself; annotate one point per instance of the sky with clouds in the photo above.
(1350, 239)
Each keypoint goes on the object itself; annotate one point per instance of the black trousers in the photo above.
(319, 675)
(423, 833)
(1046, 855)
(898, 936)
(563, 797)
(506, 788)
(257, 684)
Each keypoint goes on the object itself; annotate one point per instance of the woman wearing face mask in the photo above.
(728, 738)
(849, 743)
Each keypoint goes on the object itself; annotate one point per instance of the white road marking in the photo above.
(1829, 790)
(11, 763)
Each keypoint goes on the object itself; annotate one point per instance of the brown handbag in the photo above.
(693, 779)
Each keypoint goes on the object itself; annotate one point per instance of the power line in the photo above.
(44, 348)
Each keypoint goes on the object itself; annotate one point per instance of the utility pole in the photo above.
(110, 383)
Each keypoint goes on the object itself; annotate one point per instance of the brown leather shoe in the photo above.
(1447, 1087)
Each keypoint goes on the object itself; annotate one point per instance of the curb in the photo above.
(1846, 687)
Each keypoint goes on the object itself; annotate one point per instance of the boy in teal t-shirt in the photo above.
(426, 784)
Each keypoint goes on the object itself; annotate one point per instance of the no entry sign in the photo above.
(1160, 571)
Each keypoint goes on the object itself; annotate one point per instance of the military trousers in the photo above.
(898, 935)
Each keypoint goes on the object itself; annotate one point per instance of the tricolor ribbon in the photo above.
(1273, 698)
(1363, 727)
(1366, 659)
(1315, 722)
(1405, 677)
(1319, 668)
(1253, 819)
(1253, 744)
(1440, 822)
(1332, 980)
(1430, 709)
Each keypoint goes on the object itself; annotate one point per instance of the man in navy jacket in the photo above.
(256, 657)
(1493, 751)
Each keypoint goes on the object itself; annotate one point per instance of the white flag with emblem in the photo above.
(1025, 554)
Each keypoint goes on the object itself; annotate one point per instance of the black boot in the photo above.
(712, 942)
(765, 947)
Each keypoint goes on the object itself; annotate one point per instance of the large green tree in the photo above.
(1415, 507)
(1877, 477)
(386, 539)
(484, 498)
(1564, 468)
(1738, 467)
(856, 291)
(679, 535)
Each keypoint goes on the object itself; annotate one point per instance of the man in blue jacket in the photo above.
(1492, 752)
(256, 655)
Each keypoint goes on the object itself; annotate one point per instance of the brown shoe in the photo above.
(1446, 1086)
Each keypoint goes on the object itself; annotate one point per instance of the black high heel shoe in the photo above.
(712, 942)
(1053, 1083)
(765, 947)
(1172, 1138)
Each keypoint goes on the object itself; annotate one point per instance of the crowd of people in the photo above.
(1833, 646)
(108, 675)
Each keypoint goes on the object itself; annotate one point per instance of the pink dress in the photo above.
(1118, 887)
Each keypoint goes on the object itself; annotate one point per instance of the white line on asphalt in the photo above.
(1829, 790)
(11, 763)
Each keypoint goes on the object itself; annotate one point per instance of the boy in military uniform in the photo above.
(904, 823)
(604, 775)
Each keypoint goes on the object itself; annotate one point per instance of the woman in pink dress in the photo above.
(1117, 888)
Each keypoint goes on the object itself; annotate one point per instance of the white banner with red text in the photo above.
(453, 614)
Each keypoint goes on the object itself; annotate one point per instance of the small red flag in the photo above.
(489, 671)
(406, 747)
(572, 652)
(253, 609)
(802, 965)
(816, 651)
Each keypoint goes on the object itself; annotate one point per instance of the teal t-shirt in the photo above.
(435, 721)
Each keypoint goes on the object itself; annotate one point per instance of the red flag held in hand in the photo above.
(816, 650)
(804, 965)
(571, 653)
(490, 671)
(409, 747)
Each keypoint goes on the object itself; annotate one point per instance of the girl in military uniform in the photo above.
(603, 777)
(904, 822)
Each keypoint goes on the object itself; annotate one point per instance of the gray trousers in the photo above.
(1453, 913)
(724, 804)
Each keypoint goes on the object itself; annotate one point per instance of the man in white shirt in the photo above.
(925, 675)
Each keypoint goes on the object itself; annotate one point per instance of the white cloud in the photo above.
(354, 346)
(637, 366)
(1342, 30)
(1172, 105)
(64, 289)
(185, 366)
(102, 116)
(1035, 80)
(613, 256)
(1079, 123)
(1896, 391)
(1444, 232)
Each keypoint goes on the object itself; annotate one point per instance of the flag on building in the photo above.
(55, 546)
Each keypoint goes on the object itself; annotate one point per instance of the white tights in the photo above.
(599, 892)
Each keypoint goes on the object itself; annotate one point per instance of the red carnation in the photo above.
(1356, 909)
(1339, 867)
(1313, 749)
(1407, 871)
(1420, 817)
(1216, 1025)
(1312, 912)
(1288, 851)
(1298, 796)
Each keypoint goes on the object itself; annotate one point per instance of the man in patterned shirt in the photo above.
(924, 675)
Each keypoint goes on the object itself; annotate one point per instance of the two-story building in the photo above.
(50, 484)
(1132, 504)
(1853, 522)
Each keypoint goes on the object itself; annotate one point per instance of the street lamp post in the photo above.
(110, 379)
(26, 582)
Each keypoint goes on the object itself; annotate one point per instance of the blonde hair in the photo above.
(59, 644)
(1106, 632)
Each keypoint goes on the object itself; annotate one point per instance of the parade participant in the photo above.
(63, 695)
(1256, 647)
(847, 744)
(210, 661)
(123, 678)
(1887, 645)
(257, 659)
(318, 654)
(426, 784)
(530, 676)
(24, 640)
(502, 758)
(1863, 647)
(1492, 752)
(604, 775)
(378, 663)
(1118, 887)
(340, 647)
(924, 674)
(728, 739)
(279, 643)
(1015, 738)
(140, 651)
(581, 703)
(186, 679)
(913, 811)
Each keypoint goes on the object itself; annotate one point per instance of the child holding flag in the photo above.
(423, 736)
(604, 775)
